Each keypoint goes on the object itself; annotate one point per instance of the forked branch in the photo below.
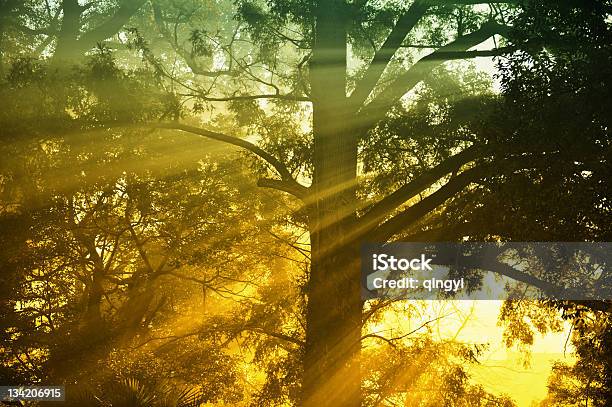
(381, 59)
(456, 49)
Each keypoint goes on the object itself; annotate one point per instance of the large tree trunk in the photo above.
(331, 366)
(67, 48)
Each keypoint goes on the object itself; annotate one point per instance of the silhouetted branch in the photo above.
(467, 2)
(376, 109)
(111, 26)
(446, 233)
(489, 263)
(381, 59)
(72, 43)
(188, 57)
(391, 341)
(385, 206)
(279, 96)
(277, 335)
(452, 187)
(450, 55)
(287, 180)
(290, 187)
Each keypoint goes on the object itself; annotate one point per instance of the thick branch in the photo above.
(71, 45)
(454, 186)
(282, 170)
(419, 71)
(489, 263)
(417, 185)
(111, 26)
(381, 59)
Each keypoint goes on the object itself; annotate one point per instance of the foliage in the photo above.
(138, 261)
(132, 393)
(107, 240)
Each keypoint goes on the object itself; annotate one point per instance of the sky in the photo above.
(501, 370)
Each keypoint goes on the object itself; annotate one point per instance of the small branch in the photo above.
(275, 335)
(292, 188)
(448, 233)
(293, 245)
(279, 96)
(188, 57)
(397, 338)
(377, 336)
(450, 55)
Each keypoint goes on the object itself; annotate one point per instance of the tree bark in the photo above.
(331, 362)
(72, 43)
(67, 38)
(333, 320)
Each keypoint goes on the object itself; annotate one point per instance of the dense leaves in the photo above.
(143, 267)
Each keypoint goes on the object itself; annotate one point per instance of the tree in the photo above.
(347, 67)
(105, 244)
(351, 89)
(67, 28)
(339, 122)
(541, 84)
(588, 381)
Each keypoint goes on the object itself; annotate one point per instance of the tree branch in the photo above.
(276, 335)
(111, 26)
(445, 233)
(385, 206)
(397, 338)
(452, 187)
(488, 263)
(72, 45)
(467, 2)
(381, 59)
(451, 55)
(297, 98)
(285, 186)
(289, 183)
(188, 57)
(377, 108)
